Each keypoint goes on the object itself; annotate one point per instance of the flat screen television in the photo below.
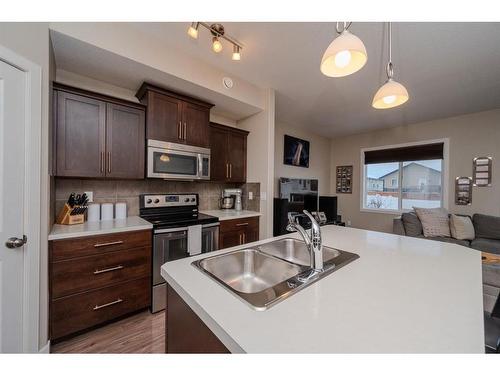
(302, 194)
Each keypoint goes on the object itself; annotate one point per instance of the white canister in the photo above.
(107, 211)
(94, 212)
(121, 210)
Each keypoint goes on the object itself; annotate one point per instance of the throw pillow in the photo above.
(413, 226)
(461, 227)
(435, 221)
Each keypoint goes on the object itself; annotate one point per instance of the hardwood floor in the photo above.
(140, 333)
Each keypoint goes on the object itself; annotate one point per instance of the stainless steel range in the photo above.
(179, 231)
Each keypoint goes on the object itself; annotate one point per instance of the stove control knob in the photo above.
(149, 200)
(193, 199)
(186, 199)
(157, 200)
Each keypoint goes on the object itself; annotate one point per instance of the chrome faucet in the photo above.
(313, 242)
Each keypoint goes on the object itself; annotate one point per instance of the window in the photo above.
(398, 179)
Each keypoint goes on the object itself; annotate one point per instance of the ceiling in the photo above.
(448, 68)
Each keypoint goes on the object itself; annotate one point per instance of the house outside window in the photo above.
(396, 180)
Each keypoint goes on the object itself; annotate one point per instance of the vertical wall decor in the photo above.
(481, 173)
(344, 179)
(463, 191)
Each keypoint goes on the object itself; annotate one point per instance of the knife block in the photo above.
(66, 218)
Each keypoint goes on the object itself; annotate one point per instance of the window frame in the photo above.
(444, 176)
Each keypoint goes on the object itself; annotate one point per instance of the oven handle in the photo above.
(170, 230)
(210, 225)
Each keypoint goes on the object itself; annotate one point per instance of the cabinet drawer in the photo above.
(92, 245)
(97, 271)
(251, 223)
(84, 310)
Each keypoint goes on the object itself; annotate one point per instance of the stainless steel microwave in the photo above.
(174, 161)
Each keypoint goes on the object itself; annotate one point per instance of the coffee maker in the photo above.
(231, 199)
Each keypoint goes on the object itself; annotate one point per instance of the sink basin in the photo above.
(249, 270)
(295, 251)
(270, 273)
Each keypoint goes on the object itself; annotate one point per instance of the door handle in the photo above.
(230, 170)
(185, 127)
(179, 130)
(101, 162)
(227, 170)
(109, 162)
(14, 242)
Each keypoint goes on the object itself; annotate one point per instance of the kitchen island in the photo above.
(403, 295)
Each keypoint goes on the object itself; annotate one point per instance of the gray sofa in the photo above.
(487, 231)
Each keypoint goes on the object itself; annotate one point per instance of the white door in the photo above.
(12, 169)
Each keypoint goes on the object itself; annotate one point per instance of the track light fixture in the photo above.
(392, 93)
(218, 33)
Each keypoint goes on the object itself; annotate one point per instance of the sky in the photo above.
(378, 170)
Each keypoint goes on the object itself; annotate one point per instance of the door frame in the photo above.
(32, 217)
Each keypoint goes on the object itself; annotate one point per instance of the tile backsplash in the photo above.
(112, 191)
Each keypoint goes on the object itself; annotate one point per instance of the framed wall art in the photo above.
(296, 152)
(463, 191)
(481, 172)
(344, 179)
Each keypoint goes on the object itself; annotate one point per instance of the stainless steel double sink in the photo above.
(269, 273)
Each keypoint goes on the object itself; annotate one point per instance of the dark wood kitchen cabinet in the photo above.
(97, 136)
(238, 232)
(176, 118)
(95, 279)
(228, 153)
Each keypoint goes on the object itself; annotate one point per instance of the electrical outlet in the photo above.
(90, 195)
(250, 195)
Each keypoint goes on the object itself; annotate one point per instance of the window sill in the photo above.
(382, 211)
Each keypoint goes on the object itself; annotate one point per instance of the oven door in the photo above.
(173, 164)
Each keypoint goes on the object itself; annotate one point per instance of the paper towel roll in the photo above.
(94, 212)
(121, 210)
(107, 211)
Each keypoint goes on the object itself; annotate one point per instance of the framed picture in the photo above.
(296, 152)
(463, 191)
(344, 179)
(482, 167)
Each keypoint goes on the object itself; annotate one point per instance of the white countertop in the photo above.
(403, 295)
(231, 214)
(93, 228)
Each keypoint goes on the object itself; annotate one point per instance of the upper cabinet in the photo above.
(228, 154)
(175, 118)
(97, 136)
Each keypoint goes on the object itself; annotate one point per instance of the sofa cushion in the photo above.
(487, 226)
(412, 224)
(487, 245)
(465, 243)
(461, 227)
(435, 221)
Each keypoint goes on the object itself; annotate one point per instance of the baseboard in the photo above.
(45, 349)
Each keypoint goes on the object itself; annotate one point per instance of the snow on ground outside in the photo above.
(391, 203)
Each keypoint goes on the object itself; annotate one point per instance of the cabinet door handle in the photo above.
(230, 170)
(98, 307)
(108, 243)
(240, 239)
(244, 238)
(101, 162)
(185, 127)
(227, 170)
(109, 162)
(241, 224)
(97, 272)
(179, 130)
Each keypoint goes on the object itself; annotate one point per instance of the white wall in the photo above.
(31, 40)
(471, 135)
(319, 158)
(260, 159)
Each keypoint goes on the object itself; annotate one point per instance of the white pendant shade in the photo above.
(391, 94)
(344, 56)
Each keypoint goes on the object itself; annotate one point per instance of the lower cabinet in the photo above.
(238, 232)
(96, 279)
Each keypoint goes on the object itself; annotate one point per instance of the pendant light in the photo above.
(345, 55)
(392, 93)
